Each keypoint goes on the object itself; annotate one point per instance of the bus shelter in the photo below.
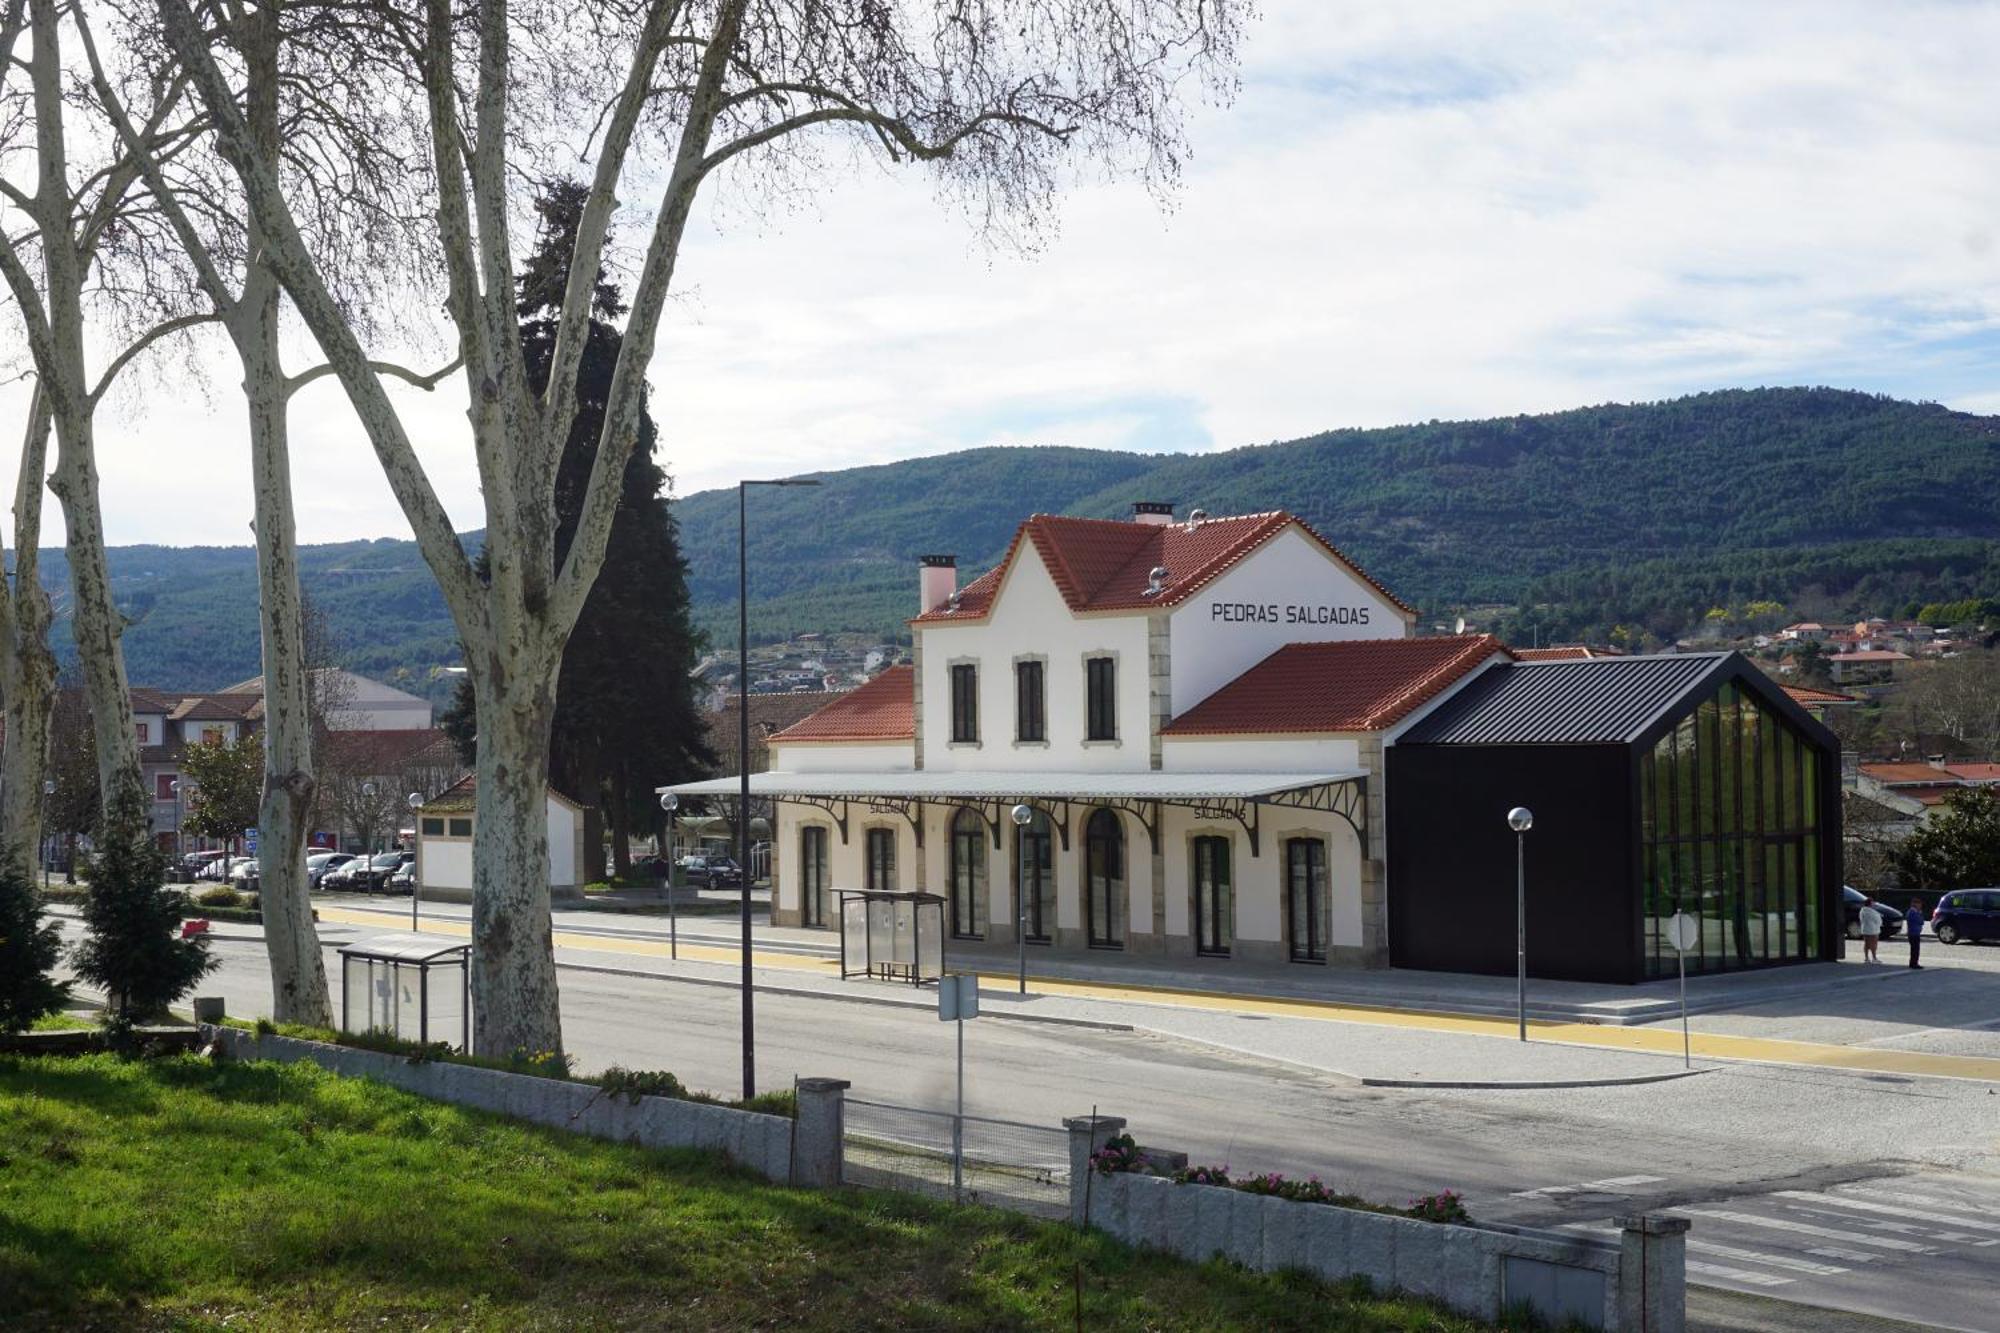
(407, 985)
(891, 936)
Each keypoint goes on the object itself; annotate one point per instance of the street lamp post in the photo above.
(670, 803)
(743, 755)
(48, 790)
(1521, 819)
(415, 800)
(1022, 817)
(369, 811)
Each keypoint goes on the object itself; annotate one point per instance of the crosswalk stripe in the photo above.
(1938, 1202)
(1736, 1252)
(1589, 1186)
(1737, 1274)
(1888, 1210)
(1807, 1229)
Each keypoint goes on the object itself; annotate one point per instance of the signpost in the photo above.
(249, 842)
(1683, 932)
(958, 1000)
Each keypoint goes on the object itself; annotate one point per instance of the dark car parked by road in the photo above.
(1967, 914)
(711, 872)
(1892, 919)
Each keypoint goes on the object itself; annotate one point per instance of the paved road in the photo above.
(1788, 1171)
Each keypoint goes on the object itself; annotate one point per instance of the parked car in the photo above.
(403, 879)
(709, 872)
(1967, 914)
(1892, 920)
(320, 864)
(243, 876)
(372, 875)
(222, 869)
(190, 865)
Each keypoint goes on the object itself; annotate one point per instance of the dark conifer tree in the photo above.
(29, 949)
(132, 946)
(626, 719)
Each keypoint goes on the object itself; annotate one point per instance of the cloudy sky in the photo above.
(1410, 212)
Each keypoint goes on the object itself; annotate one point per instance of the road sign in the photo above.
(250, 841)
(1684, 932)
(958, 997)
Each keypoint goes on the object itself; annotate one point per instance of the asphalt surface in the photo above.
(1874, 1196)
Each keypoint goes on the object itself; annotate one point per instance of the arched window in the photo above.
(1214, 910)
(1104, 881)
(814, 880)
(968, 876)
(1035, 880)
(1308, 899)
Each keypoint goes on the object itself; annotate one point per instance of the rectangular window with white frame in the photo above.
(964, 704)
(1100, 677)
(1031, 707)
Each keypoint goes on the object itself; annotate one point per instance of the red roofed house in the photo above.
(1191, 718)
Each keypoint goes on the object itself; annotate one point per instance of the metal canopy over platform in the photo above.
(1235, 796)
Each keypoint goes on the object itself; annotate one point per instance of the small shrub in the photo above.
(784, 1102)
(1120, 1154)
(1309, 1190)
(1444, 1206)
(1202, 1175)
(542, 1064)
(219, 896)
(29, 949)
(632, 1084)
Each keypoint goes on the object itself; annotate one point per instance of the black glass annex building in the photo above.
(1685, 783)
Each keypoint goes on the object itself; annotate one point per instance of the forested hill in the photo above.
(1645, 514)
(1448, 514)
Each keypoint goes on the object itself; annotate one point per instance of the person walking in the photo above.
(1870, 921)
(1914, 919)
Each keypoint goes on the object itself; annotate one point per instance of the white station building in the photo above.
(1195, 710)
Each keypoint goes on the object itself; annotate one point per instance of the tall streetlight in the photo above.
(1521, 819)
(743, 754)
(415, 801)
(368, 808)
(670, 803)
(48, 790)
(1022, 817)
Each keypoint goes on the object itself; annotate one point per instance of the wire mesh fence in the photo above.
(1007, 1164)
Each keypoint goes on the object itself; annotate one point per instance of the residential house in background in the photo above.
(357, 703)
(445, 826)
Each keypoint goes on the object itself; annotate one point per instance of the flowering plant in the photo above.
(1120, 1153)
(1445, 1206)
(1202, 1175)
(1298, 1191)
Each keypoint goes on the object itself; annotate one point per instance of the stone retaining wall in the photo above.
(1635, 1283)
(763, 1143)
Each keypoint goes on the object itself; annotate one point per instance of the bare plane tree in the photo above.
(27, 666)
(658, 96)
(53, 255)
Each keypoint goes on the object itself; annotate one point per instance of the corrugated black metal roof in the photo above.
(1584, 701)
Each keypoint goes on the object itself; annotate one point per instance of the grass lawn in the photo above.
(177, 1194)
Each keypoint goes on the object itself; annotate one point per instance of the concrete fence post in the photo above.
(818, 1134)
(208, 1009)
(1087, 1133)
(1652, 1273)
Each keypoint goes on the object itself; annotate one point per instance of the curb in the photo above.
(800, 992)
(1530, 1085)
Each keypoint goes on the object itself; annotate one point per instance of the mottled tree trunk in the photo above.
(515, 998)
(621, 824)
(298, 968)
(27, 667)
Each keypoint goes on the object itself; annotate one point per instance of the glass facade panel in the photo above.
(815, 883)
(1214, 914)
(1104, 881)
(1035, 879)
(968, 876)
(1728, 811)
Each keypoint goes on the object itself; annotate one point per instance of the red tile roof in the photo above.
(885, 709)
(1894, 773)
(1808, 697)
(1359, 685)
(1975, 772)
(1568, 652)
(1102, 564)
(1870, 656)
(1930, 795)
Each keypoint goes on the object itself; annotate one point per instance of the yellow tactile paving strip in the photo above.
(1655, 1040)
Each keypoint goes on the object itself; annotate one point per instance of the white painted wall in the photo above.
(841, 757)
(446, 863)
(1275, 596)
(1267, 754)
(1029, 616)
(155, 725)
(566, 861)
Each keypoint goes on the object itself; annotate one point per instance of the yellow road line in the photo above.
(1651, 1041)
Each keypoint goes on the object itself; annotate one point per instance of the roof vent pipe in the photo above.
(1157, 512)
(937, 579)
(1156, 581)
(1197, 516)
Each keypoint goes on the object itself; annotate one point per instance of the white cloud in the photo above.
(1411, 212)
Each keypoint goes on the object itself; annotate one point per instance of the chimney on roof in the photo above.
(1157, 512)
(937, 580)
(1935, 761)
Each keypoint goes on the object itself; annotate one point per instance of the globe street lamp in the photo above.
(743, 753)
(670, 803)
(1022, 816)
(48, 790)
(414, 800)
(1521, 819)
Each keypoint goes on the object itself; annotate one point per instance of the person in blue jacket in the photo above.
(1914, 919)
